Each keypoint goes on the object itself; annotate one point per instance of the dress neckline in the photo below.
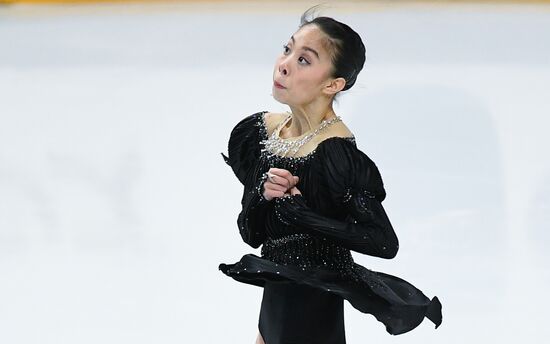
(264, 134)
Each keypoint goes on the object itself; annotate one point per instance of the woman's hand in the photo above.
(282, 183)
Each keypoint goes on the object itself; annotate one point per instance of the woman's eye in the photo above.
(285, 48)
(301, 58)
(307, 62)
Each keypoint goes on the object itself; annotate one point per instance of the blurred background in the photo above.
(116, 206)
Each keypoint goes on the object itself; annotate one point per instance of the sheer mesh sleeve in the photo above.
(243, 154)
(356, 187)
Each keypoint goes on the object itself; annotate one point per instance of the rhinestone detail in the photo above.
(280, 146)
(363, 196)
(307, 251)
(259, 189)
(276, 158)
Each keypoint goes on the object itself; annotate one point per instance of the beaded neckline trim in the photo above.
(263, 128)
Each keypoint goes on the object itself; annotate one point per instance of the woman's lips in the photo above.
(276, 84)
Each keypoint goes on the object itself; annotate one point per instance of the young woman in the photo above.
(310, 197)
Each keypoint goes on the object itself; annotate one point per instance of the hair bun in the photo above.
(348, 51)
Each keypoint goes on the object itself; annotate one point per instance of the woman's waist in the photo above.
(306, 251)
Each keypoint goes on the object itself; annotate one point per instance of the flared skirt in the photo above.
(394, 302)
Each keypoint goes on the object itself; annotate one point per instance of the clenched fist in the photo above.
(280, 183)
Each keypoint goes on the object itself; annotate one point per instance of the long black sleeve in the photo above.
(251, 219)
(243, 155)
(356, 190)
(366, 229)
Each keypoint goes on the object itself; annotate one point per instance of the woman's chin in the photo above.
(278, 98)
(281, 101)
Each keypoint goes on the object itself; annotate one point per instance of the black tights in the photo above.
(299, 314)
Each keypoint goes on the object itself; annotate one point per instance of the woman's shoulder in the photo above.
(343, 155)
(249, 121)
(337, 148)
(262, 120)
(345, 165)
(243, 145)
(249, 128)
(339, 129)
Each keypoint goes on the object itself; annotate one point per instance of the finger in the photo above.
(274, 187)
(283, 177)
(295, 191)
(279, 194)
(278, 171)
(272, 178)
(293, 181)
(289, 180)
(281, 172)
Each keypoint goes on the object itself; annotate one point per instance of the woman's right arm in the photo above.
(251, 219)
(243, 155)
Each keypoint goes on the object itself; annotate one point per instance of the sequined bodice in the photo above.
(285, 244)
(293, 163)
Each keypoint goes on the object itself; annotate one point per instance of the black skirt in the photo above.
(294, 313)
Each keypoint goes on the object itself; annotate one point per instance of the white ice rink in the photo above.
(116, 206)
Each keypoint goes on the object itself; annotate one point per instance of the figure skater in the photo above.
(311, 196)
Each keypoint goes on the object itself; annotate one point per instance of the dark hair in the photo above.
(347, 50)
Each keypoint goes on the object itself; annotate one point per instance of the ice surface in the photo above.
(111, 124)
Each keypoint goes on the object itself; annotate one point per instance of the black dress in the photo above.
(306, 267)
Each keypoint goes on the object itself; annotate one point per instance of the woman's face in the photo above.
(303, 67)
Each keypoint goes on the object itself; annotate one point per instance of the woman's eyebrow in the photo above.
(306, 48)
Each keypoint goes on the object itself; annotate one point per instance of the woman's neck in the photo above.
(305, 120)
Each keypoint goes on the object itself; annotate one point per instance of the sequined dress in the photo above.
(305, 266)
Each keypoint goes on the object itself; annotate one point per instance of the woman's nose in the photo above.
(283, 67)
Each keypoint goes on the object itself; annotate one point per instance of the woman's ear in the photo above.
(334, 86)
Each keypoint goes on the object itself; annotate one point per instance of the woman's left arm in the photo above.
(366, 229)
(356, 188)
